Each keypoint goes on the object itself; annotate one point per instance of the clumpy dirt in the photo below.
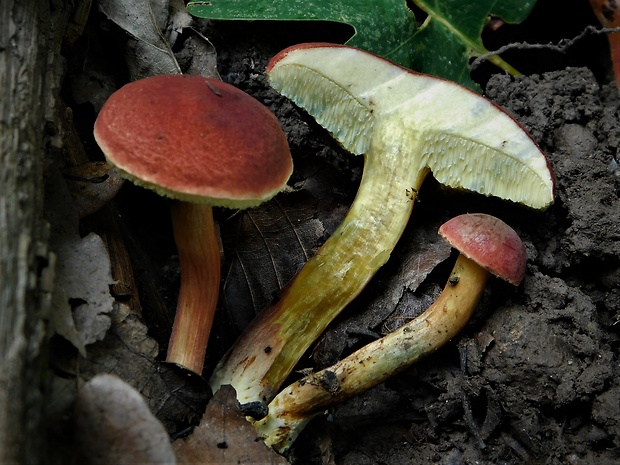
(534, 377)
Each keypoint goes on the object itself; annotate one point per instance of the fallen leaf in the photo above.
(196, 49)
(150, 29)
(114, 425)
(144, 21)
(451, 35)
(199, 55)
(179, 20)
(255, 267)
(443, 45)
(81, 299)
(92, 185)
(129, 352)
(224, 436)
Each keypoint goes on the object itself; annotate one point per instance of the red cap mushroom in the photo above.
(488, 241)
(486, 245)
(205, 143)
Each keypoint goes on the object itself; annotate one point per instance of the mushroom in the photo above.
(407, 125)
(486, 245)
(204, 143)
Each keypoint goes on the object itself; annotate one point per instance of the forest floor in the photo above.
(533, 378)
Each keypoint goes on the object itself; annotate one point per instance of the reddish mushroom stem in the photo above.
(199, 260)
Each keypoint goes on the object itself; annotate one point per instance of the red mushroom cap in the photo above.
(489, 242)
(195, 139)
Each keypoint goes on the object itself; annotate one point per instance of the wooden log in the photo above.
(31, 33)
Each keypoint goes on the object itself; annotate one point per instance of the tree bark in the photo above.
(31, 34)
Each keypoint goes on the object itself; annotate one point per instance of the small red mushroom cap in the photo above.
(195, 139)
(489, 242)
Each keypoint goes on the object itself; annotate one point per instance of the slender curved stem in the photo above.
(296, 405)
(199, 257)
(268, 350)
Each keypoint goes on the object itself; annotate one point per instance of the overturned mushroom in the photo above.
(204, 143)
(486, 245)
(407, 125)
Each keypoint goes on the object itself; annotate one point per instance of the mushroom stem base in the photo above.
(199, 259)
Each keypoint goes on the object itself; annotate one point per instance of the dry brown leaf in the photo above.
(197, 52)
(81, 299)
(129, 352)
(255, 266)
(224, 436)
(144, 21)
(92, 185)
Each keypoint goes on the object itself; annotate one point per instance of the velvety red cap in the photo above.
(195, 139)
(488, 241)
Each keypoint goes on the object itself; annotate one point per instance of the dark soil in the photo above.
(534, 377)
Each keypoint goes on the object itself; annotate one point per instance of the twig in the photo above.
(561, 46)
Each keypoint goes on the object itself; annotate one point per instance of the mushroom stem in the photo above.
(333, 277)
(297, 404)
(199, 259)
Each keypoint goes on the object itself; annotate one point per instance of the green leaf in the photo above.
(449, 37)
(381, 26)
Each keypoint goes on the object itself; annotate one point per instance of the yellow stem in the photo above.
(291, 410)
(268, 350)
